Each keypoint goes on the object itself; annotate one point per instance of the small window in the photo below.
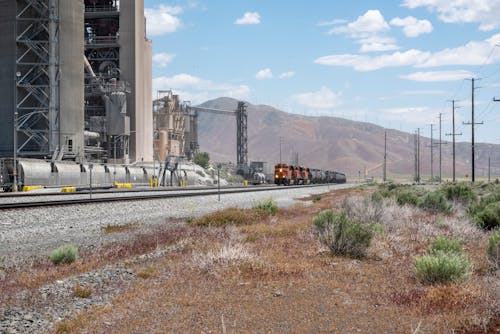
(70, 145)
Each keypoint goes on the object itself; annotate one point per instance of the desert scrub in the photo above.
(489, 217)
(268, 206)
(435, 202)
(64, 254)
(441, 267)
(494, 249)
(342, 235)
(230, 216)
(406, 197)
(363, 210)
(459, 192)
(442, 244)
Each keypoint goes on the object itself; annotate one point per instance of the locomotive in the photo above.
(296, 175)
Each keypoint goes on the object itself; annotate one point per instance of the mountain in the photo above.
(332, 143)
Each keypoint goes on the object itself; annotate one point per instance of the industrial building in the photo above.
(75, 80)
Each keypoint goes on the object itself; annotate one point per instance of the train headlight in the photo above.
(281, 170)
(276, 176)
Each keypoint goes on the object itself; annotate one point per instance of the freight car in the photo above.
(285, 174)
(34, 172)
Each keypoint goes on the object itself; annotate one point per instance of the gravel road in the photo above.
(30, 234)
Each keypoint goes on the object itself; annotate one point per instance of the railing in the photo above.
(101, 8)
(101, 40)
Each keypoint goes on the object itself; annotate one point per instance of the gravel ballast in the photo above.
(28, 235)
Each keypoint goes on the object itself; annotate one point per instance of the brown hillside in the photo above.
(331, 143)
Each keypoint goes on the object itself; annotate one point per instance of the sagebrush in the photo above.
(65, 254)
(342, 235)
(494, 249)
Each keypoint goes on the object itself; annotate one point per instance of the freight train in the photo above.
(294, 175)
(34, 172)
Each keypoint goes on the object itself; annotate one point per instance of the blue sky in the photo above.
(396, 63)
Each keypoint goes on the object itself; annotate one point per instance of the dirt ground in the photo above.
(273, 276)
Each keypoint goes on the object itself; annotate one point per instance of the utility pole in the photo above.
(440, 145)
(415, 154)
(432, 154)
(418, 155)
(453, 134)
(472, 123)
(385, 155)
(489, 169)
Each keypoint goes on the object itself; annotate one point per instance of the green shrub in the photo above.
(442, 244)
(441, 267)
(202, 159)
(316, 198)
(483, 202)
(489, 217)
(377, 197)
(494, 248)
(459, 192)
(64, 254)
(407, 197)
(435, 202)
(268, 206)
(341, 235)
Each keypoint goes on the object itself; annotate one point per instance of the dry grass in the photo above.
(118, 228)
(270, 274)
(233, 216)
(147, 272)
(81, 291)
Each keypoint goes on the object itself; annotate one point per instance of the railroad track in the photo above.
(102, 197)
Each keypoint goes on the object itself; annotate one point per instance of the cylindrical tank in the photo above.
(162, 145)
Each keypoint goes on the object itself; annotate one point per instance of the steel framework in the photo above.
(37, 126)
(241, 114)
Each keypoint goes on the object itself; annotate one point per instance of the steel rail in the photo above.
(68, 202)
(111, 190)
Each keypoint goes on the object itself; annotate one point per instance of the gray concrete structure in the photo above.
(45, 41)
(41, 77)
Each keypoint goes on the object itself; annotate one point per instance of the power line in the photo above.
(472, 123)
(453, 134)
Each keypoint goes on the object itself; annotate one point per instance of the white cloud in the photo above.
(198, 90)
(412, 27)
(473, 53)
(162, 20)
(286, 75)
(366, 63)
(424, 92)
(332, 22)
(484, 12)
(377, 44)
(249, 18)
(366, 25)
(322, 99)
(264, 74)
(369, 30)
(438, 76)
(416, 115)
(163, 59)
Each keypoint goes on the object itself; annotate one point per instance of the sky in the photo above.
(395, 63)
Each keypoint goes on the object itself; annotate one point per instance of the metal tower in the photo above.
(241, 138)
(37, 126)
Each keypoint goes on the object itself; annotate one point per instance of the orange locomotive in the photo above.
(288, 174)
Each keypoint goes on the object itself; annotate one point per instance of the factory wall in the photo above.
(146, 149)
(71, 50)
(132, 60)
(7, 75)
